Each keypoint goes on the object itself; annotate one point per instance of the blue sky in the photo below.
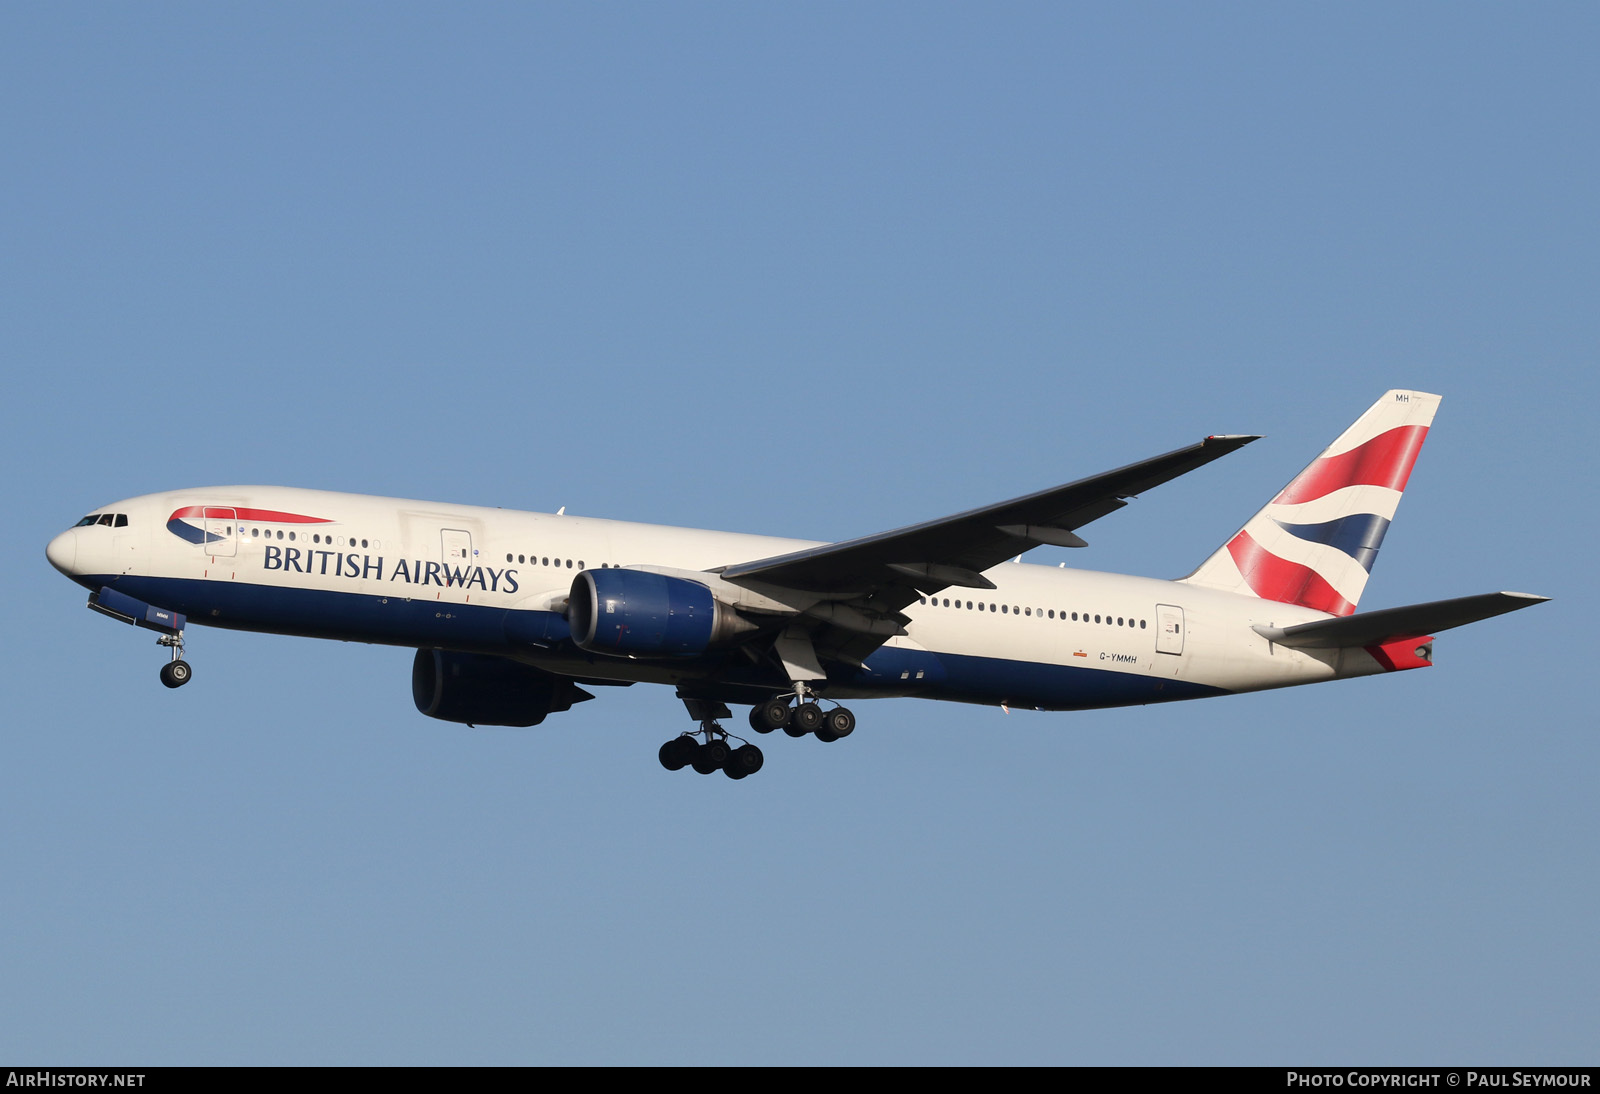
(817, 271)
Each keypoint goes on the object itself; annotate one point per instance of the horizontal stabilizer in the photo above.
(1394, 624)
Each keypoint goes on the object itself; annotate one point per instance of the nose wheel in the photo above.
(177, 672)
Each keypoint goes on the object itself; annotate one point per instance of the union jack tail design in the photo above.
(1315, 543)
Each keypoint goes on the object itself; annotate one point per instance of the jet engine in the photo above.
(636, 613)
(480, 690)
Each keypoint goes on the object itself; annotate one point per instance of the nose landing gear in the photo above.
(175, 673)
(166, 623)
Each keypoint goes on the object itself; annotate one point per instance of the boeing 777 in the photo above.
(513, 615)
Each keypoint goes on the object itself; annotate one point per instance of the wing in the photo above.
(867, 581)
(955, 550)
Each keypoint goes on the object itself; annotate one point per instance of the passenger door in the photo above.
(1169, 629)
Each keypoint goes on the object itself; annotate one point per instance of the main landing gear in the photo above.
(177, 672)
(805, 716)
(797, 716)
(714, 753)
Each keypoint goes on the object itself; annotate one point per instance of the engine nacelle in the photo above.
(479, 690)
(636, 613)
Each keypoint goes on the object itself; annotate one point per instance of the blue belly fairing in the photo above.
(964, 678)
(413, 622)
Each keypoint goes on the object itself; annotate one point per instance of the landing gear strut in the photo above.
(175, 673)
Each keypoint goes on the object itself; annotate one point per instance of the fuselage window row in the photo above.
(316, 537)
(535, 560)
(1012, 609)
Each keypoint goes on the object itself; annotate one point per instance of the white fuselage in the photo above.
(425, 574)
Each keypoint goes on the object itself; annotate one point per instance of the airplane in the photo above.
(513, 615)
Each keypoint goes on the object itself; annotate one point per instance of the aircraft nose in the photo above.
(63, 551)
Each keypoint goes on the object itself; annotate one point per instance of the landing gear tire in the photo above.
(678, 753)
(771, 715)
(839, 722)
(742, 761)
(710, 756)
(805, 718)
(175, 674)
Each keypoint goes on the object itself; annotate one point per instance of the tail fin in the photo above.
(1314, 544)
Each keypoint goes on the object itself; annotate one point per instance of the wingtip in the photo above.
(1232, 438)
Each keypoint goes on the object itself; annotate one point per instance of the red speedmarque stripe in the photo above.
(1274, 578)
(271, 516)
(1385, 460)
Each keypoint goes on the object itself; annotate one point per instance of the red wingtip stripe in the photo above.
(1385, 460)
(1274, 578)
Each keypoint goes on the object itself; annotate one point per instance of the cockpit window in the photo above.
(110, 520)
